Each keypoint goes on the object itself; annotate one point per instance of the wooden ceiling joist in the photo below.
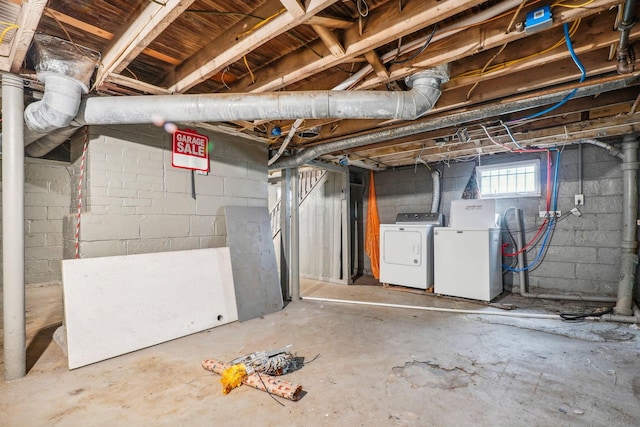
(330, 40)
(103, 34)
(226, 49)
(27, 22)
(374, 60)
(293, 7)
(478, 39)
(384, 25)
(138, 35)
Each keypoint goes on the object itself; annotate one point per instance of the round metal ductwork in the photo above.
(310, 133)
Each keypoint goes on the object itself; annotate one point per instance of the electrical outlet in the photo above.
(549, 214)
(579, 199)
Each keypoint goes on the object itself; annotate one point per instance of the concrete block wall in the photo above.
(134, 201)
(47, 202)
(583, 256)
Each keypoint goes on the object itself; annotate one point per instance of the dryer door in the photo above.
(403, 256)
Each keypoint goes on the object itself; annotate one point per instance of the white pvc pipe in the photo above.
(443, 310)
(612, 318)
(13, 227)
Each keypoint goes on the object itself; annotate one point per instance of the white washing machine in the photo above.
(467, 259)
(406, 250)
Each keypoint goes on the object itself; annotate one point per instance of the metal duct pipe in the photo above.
(58, 106)
(435, 203)
(407, 105)
(629, 257)
(455, 119)
(216, 107)
(50, 141)
(625, 62)
(13, 227)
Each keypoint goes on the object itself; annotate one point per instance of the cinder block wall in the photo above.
(584, 252)
(47, 196)
(134, 201)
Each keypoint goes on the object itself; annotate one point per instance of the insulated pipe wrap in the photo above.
(266, 106)
(435, 202)
(58, 106)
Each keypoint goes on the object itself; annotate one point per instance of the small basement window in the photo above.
(515, 179)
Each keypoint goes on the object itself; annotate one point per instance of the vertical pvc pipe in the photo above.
(629, 256)
(285, 233)
(522, 274)
(13, 227)
(294, 265)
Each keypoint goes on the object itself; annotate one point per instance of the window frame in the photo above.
(507, 165)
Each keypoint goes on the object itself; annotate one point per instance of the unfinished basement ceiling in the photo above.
(232, 46)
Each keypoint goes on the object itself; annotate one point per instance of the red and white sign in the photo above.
(190, 150)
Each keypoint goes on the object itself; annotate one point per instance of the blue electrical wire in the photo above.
(570, 95)
(550, 224)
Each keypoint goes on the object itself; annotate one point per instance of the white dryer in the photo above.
(406, 250)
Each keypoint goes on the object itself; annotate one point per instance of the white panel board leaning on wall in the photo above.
(116, 305)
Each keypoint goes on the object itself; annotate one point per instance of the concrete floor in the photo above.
(377, 366)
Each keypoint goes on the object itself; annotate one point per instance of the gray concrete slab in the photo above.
(377, 366)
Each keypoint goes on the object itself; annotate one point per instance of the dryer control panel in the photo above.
(420, 218)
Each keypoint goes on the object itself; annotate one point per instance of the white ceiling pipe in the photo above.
(405, 105)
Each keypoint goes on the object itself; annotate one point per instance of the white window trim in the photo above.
(534, 193)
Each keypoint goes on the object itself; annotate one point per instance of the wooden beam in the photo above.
(103, 34)
(553, 73)
(374, 60)
(478, 39)
(336, 23)
(385, 23)
(592, 35)
(557, 135)
(28, 19)
(136, 84)
(590, 129)
(226, 49)
(293, 7)
(138, 35)
(330, 41)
